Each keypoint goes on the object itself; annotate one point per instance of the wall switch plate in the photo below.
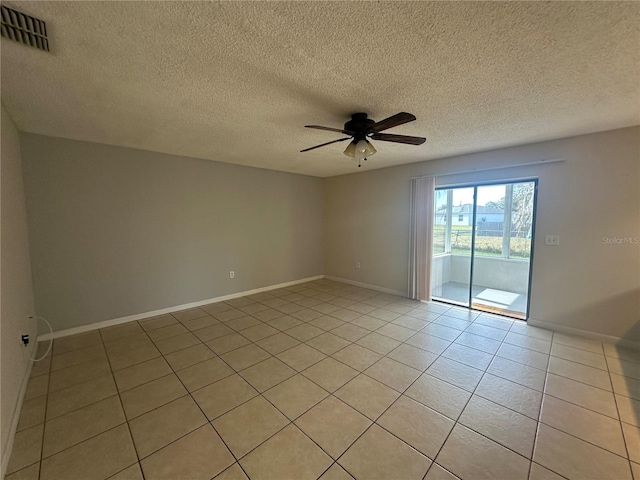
(232, 274)
(552, 240)
(357, 264)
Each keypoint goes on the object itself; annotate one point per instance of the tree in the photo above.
(522, 208)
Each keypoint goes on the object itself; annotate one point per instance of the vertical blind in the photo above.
(421, 237)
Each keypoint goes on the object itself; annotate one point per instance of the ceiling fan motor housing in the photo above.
(360, 125)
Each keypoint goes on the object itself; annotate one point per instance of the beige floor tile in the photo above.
(523, 328)
(267, 374)
(623, 367)
(325, 322)
(131, 353)
(577, 355)
(278, 343)
(42, 367)
(173, 344)
(295, 396)
(227, 315)
(27, 446)
(288, 454)
(212, 332)
(131, 377)
(189, 314)
(305, 332)
(244, 357)
(234, 472)
(161, 426)
(333, 425)
(393, 374)
(396, 332)
(629, 410)
(198, 455)
(336, 472)
(511, 395)
(367, 396)
(76, 342)
(525, 341)
(82, 372)
(574, 458)
(470, 455)
(77, 426)
(95, 459)
(222, 345)
(486, 331)
(579, 372)
(204, 373)
(259, 332)
(428, 342)
(271, 314)
(578, 342)
(436, 472)
(189, 356)
(635, 468)
(632, 437)
(330, 374)
(410, 322)
(422, 428)
(31, 473)
(451, 322)
(220, 397)
(154, 323)
(154, 394)
(346, 315)
(306, 315)
(438, 395)
(301, 357)
(495, 322)
(413, 356)
(469, 356)
(581, 394)
(130, 473)
(118, 332)
(328, 343)
(284, 322)
(200, 323)
(623, 353)
(523, 355)
(461, 313)
(538, 472)
(626, 386)
(166, 332)
(357, 357)
(380, 455)
(242, 323)
(245, 427)
(441, 331)
(77, 396)
(585, 424)
(368, 323)
(216, 307)
(456, 373)
(76, 357)
(360, 308)
(518, 373)
(32, 412)
(478, 342)
(253, 308)
(504, 426)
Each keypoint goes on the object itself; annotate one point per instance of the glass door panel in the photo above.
(502, 248)
(452, 243)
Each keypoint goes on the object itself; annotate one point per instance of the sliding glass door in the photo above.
(482, 237)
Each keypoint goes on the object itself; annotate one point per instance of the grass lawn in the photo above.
(485, 245)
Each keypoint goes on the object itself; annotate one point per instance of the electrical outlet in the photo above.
(552, 240)
(357, 264)
(232, 274)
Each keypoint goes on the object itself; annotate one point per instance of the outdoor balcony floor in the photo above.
(493, 300)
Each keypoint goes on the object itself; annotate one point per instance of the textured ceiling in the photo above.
(237, 81)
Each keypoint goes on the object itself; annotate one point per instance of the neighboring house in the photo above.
(463, 215)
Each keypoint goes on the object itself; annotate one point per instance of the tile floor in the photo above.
(325, 380)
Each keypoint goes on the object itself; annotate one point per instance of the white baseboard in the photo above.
(8, 448)
(366, 285)
(583, 333)
(139, 316)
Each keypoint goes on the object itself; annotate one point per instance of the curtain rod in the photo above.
(474, 170)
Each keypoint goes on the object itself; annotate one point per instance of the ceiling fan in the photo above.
(360, 129)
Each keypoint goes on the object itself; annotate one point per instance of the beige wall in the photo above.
(117, 232)
(594, 193)
(16, 292)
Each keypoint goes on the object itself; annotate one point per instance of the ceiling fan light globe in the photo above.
(350, 151)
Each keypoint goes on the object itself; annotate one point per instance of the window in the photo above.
(461, 218)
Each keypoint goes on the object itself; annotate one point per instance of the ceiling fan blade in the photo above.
(328, 143)
(320, 127)
(389, 137)
(393, 121)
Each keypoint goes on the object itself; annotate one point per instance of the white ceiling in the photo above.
(236, 81)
